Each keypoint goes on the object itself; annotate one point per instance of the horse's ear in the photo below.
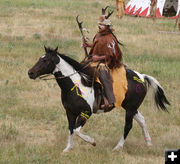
(56, 49)
(46, 50)
(55, 57)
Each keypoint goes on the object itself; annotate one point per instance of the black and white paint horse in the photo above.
(78, 99)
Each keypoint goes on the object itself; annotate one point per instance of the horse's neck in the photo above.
(64, 69)
(71, 81)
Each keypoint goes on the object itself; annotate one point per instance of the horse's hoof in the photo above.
(149, 144)
(118, 148)
(66, 150)
(94, 143)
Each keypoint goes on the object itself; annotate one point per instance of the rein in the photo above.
(43, 77)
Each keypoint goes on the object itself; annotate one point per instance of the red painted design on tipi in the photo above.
(144, 13)
(127, 9)
(158, 14)
(132, 10)
(138, 11)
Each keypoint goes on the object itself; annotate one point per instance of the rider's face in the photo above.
(101, 26)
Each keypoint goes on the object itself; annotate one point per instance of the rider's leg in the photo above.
(106, 80)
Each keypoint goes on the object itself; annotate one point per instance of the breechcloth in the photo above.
(115, 80)
(106, 80)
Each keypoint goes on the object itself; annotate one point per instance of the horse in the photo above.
(78, 98)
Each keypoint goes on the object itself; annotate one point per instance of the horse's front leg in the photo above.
(71, 121)
(82, 118)
(70, 142)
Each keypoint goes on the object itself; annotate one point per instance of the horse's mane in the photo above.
(86, 72)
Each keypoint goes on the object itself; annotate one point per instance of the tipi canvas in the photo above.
(165, 8)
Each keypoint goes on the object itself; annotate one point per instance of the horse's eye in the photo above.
(44, 60)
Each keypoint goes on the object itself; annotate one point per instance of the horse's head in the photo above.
(46, 64)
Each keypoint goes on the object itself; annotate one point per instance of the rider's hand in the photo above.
(85, 44)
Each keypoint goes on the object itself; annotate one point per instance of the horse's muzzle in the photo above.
(31, 75)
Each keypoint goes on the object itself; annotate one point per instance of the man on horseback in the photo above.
(106, 56)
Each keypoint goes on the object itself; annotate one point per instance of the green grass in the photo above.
(33, 124)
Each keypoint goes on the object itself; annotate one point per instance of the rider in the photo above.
(179, 21)
(106, 55)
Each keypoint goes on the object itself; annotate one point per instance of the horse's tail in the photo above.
(159, 95)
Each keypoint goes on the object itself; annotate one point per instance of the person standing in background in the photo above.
(153, 9)
(179, 21)
(120, 7)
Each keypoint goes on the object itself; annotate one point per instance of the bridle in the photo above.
(43, 77)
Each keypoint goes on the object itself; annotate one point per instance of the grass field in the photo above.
(33, 124)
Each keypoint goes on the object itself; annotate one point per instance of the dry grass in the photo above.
(33, 124)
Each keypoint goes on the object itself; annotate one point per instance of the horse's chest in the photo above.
(78, 95)
(86, 93)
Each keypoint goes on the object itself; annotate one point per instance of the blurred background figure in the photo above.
(179, 20)
(120, 7)
(153, 9)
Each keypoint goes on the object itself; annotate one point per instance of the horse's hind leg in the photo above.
(83, 117)
(141, 121)
(127, 128)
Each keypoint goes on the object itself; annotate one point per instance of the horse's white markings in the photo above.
(70, 143)
(84, 137)
(120, 144)
(140, 75)
(154, 82)
(140, 119)
(67, 69)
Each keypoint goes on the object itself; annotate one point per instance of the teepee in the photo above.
(165, 8)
